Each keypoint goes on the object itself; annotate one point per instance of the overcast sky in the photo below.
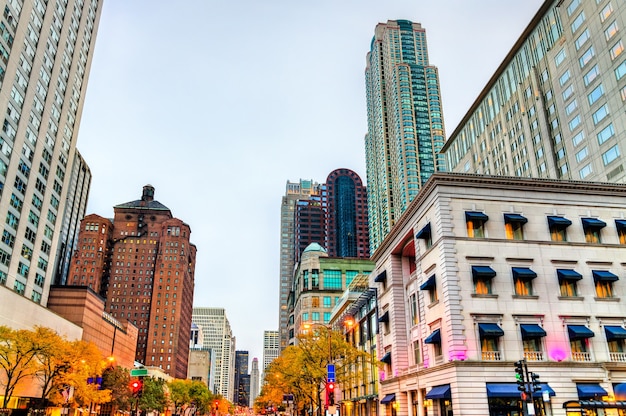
(218, 103)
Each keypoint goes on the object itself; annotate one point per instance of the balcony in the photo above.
(581, 356)
(491, 356)
(617, 357)
(533, 355)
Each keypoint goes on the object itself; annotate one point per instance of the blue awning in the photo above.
(509, 218)
(474, 215)
(579, 332)
(620, 224)
(384, 317)
(593, 223)
(482, 272)
(604, 276)
(381, 277)
(558, 221)
(490, 331)
(510, 389)
(388, 398)
(386, 358)
(523, 273)
(568, 274)
(590, 390)
(530, 331)
(433, 338)
(439, 392)
(614, 332)
(424, 233)
(429, 284)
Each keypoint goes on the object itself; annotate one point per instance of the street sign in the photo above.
(330, 373)
(139, 372)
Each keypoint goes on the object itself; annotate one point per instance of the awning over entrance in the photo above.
(388, 398)
(590, 390)
(510, 390)
(439, 392)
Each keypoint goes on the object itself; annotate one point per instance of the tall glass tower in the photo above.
(405, 123)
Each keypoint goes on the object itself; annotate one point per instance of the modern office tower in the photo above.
(554, 107)
(217, 336)
(319, 283)
(271, 348)
(150, 279)
(344, 199)
(295, 191)
(254, 381)
(483, 271)
(309, 224)
(242, 379)
(405, 129)
(75, 209)
(45, 58)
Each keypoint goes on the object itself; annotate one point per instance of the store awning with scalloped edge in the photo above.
(424, 233)
(604, 276)
(512, 218)
(561, 222)
(439, 392)
(568, 274)
(590, 390)
(388, 398)
(429, 284)
(614, 332)
(579, 332)
(530, 331)
(510, 390)
(434, 337)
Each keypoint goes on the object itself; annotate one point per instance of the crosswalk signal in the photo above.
(534, 377)
(519, 376)
(330, 388)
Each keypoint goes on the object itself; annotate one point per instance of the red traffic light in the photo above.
(136, 386)
(217, 403)
(330, 386)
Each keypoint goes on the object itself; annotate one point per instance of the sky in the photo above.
(218, 103)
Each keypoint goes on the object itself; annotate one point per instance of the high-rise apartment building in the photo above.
(271, 348)
(554, 107)
(405, 131)
(218, 337)
(46, 50)
(143, 263)
(295, 191)
(344, 199)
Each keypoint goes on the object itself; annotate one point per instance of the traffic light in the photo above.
(136, 387)
(534, 377)
(519, 376)
(330, 388)
(217, 404)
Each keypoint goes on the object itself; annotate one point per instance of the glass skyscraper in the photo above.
(405, 123)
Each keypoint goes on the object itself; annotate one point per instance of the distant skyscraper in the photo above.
(218, 337)
(46, 50)
(254, 381)
(271, 348)
(344, 199)
(150, 280)
(405, 123)
(295, 191)
(242, 379)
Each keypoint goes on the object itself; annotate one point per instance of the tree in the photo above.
(19, 352)
(179, 393)
(153, 395)
(185, 394)
(52, 360)
(117, 379)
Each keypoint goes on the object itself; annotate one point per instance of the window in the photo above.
(593, 96)
(620, 70)
(600, 114)
(615, 336)
(332, 279)
(606, 133)
(606, 12)
(568, 280)
(610, 155)
(620, 225)
(616, 50)
(475, 222)
(416, 353)
(579, 342)
(431, 286)
(514, 226)
(434, 339)
(610, 31)
(482, 276)
(560, 57)
(591, 75)
(578, 138)
(578, 21)
(581, 154)
(425, 234)
(573, 123)
(558, 227)
(414, 309)
(585, 171)
(569, 109)
(572, 7)
(586, 57)
(582, 39)
(563, 79)
(592, 228)
(489, 337)
(523, 281)
(531, 341)
(567, 92)
(604, 283)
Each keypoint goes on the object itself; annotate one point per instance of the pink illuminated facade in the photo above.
(481, 272)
